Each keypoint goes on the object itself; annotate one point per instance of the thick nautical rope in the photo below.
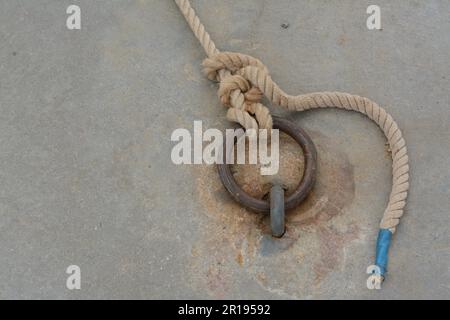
(243, 82)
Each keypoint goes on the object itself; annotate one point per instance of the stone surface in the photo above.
(86, 176)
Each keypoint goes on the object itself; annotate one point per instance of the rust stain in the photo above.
(240, 258)
(217, 281)
(331, 244)
(317, 233)
(290, 171)
(261, 278)
(342, 40)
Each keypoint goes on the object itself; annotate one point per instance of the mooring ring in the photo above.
(303, 188)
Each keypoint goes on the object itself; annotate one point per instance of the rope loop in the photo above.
(244, 80)
(235, 90)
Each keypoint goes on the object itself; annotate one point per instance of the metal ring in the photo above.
(303, 188)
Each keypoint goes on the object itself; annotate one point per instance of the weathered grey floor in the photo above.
(85, 170)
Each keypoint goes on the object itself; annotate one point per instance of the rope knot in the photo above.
(229, 84)
(244, 93)
(230, 61)
(236, 90)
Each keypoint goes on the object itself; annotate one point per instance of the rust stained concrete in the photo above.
(85, 124)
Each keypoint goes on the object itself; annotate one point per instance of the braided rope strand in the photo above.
(245, 79)
(238, 113)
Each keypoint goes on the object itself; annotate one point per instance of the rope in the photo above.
(244, 80)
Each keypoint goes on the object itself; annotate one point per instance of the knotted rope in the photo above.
(243, 82)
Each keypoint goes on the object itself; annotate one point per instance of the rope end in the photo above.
(382, 251)
(379, 269)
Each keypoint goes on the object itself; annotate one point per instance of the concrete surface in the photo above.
(85, 170)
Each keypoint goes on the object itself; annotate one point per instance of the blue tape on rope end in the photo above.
(383, 243)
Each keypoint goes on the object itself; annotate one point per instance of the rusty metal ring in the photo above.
(303, 188)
